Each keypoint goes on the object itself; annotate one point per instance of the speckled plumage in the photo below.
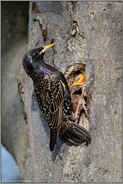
(54, 100)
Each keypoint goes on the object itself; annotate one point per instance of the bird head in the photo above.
(81, 81)
(33, 57)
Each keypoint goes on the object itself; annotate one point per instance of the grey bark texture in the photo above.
(89, 33)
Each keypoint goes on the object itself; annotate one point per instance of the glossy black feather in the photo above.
(54, 100)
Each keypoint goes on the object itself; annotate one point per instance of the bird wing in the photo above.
(50, 97)
(54, 101)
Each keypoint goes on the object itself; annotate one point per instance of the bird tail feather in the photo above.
(76, 135)
(53, 138)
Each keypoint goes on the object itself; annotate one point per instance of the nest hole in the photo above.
(76, 91)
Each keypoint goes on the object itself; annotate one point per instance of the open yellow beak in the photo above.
(81, 81)
(45, 48)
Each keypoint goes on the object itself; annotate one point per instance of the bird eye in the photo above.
(34, 53)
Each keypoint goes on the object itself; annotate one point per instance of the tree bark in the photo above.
(89, 33)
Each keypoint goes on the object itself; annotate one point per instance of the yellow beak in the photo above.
(45, 48)
(81, 81)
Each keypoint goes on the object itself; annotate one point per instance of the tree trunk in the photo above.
(88, 33)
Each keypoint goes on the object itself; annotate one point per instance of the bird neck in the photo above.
(47, 69)
(41, 70)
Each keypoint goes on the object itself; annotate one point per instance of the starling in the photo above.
(54, 99)
(81, 81)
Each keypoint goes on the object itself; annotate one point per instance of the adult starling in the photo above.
(54, 100)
